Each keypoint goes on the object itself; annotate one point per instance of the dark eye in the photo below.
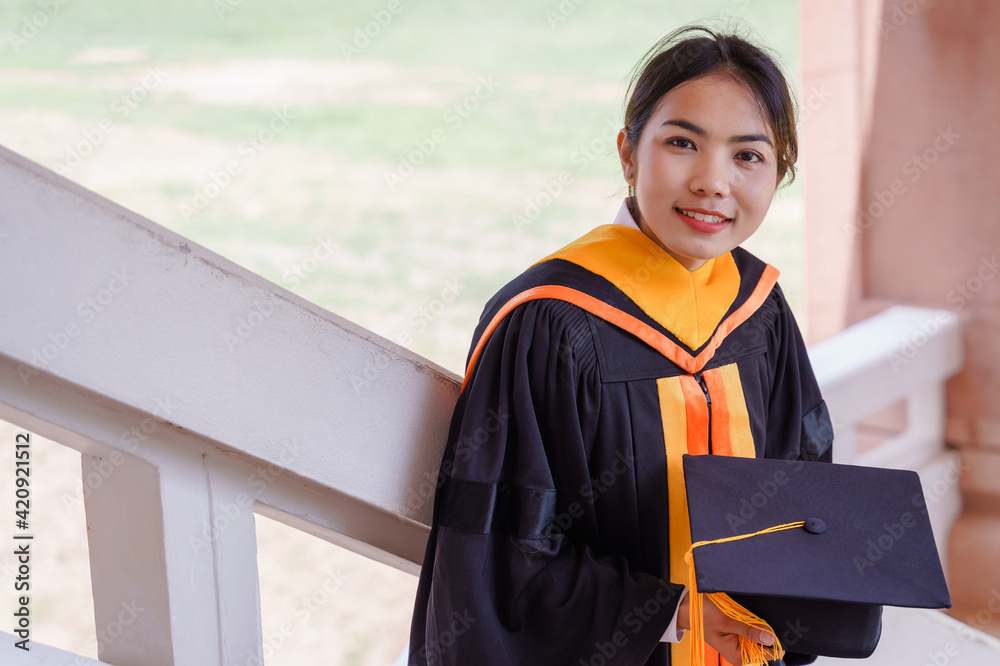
(680, 142)
(749, 156)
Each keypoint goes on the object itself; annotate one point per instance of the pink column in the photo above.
(905, 156)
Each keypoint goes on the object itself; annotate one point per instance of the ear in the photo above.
(781, 173)
(626, 153)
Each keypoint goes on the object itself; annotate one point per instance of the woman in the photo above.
(561, 520)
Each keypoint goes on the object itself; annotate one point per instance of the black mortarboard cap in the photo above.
(866, 542)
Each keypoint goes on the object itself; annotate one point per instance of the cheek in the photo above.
(660, 171)
(756, 192)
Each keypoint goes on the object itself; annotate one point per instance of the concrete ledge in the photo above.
(917, 637)
(891, 355)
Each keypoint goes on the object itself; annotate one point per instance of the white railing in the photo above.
(199, 394)
(902, 354)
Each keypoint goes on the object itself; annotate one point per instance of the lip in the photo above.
(705, 211)
(699, 225)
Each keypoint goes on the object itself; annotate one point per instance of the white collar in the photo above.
(624, 217)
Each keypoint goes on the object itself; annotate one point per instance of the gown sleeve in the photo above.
(510, 574)
(798, 422)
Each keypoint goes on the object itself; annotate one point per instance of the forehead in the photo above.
(717, 102)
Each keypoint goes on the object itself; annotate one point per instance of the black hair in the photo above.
(695, 51)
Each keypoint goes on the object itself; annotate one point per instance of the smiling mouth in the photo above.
(703, 217)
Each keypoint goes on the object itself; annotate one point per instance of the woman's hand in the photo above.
(721, 631)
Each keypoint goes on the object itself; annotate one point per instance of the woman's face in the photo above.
(705, 152)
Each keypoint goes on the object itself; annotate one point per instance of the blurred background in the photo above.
(393, 161)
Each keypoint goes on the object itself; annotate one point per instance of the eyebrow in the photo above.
(740, 138)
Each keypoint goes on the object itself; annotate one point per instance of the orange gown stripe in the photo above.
(696, 407)
(737, 417)
(627, 322)
(720, 413)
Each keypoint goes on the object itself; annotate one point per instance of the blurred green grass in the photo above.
(594, 37)
(561, 69)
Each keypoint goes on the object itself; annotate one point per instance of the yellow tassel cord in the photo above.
(753, 653)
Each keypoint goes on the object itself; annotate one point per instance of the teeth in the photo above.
(713, 219)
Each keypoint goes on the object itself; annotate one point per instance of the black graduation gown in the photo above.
(549, 543)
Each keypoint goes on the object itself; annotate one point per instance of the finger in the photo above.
(751, 633)
(756, 635)
(728, 646)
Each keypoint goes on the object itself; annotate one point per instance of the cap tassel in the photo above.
(752, 653)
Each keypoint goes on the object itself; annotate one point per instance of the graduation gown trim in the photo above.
(690, 304)
(677, 353)
(700, 416)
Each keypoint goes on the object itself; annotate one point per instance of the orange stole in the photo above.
(685, 415)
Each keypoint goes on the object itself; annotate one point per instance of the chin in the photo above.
(702, 254)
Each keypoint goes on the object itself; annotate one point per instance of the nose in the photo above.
(710, 176)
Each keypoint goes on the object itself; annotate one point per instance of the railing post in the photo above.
(173, 564)
(124, 530)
